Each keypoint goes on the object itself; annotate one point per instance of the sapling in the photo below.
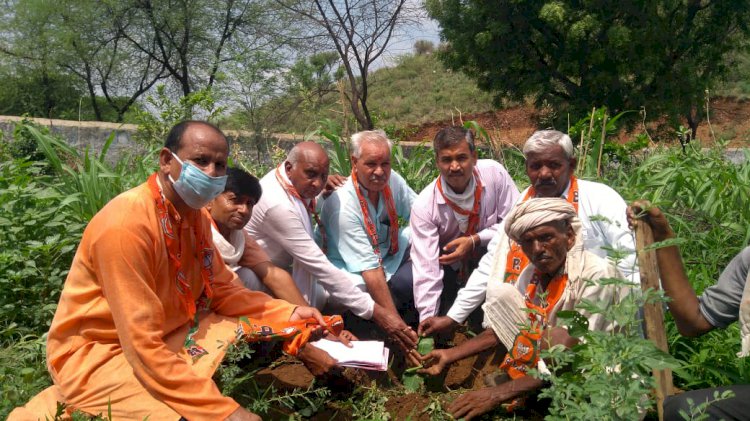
(413, 381)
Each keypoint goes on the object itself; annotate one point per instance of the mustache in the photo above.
(545, 183)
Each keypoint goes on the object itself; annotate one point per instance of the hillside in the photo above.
(419, 95)
(417, 90)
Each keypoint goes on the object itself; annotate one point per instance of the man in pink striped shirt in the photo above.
(452, 221)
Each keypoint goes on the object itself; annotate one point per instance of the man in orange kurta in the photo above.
(117, 341)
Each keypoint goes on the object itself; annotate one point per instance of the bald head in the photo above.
(181, 129)
(307, 168)
(307, 152)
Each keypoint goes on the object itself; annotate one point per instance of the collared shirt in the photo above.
(604, 226)
(282, 226)
(349, 246)
(433, 225)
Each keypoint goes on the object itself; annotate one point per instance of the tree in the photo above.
(359, 31)
(78, 40)
(92, 45)
(660, 54)
(423, 46)
(119, 49)
(312, 77)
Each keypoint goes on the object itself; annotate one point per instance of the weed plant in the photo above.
(607, 376)
(706, 200)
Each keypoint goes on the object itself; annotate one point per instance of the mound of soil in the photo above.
(728, 118)
(469, 373)
(507, 126)
(287, 373)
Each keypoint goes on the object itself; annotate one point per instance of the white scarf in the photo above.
(463, 200)
(231, 251)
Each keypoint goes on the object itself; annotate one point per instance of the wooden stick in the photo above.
(601, 146)
(653, 312)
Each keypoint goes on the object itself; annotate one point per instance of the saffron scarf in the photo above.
(516, 260)
(372, 232)
(310, 206)
(473, 215)
(294, 334)
(524, 354)
(166, 212)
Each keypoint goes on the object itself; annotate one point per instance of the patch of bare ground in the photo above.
(728, 119)
(287, 373)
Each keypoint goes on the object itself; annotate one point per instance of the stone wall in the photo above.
(94, 134)
(80, 134)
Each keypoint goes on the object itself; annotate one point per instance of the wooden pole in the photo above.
(653, 312)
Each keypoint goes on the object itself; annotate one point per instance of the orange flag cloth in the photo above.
(294, 334)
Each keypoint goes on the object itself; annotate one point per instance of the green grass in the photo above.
(417, 90)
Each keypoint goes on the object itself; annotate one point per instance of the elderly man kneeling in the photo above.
(548, 231)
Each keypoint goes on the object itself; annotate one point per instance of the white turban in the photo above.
(538, 211)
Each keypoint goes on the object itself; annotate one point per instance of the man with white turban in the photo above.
(548, 230)
(550, 166)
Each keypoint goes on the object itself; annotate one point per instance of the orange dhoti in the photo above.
(113, 386)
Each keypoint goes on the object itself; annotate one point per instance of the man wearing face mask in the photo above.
(148, 308)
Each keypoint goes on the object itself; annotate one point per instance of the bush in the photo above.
(423, 46)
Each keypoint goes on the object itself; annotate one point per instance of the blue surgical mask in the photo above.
(195, 187)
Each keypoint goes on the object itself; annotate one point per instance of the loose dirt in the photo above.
(728, 118)
(287, 373)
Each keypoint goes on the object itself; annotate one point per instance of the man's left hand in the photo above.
(305, 312)
(319, 362)
(458, 250)
(475, 403)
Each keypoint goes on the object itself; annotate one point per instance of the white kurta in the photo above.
(505, 302)
(281, 225)
(604, 226)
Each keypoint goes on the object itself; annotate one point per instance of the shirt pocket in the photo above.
(491, 220)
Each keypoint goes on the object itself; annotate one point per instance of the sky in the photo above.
(427, 30)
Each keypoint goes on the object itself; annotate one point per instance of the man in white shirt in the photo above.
(562, 272)
(282, 223)
(550, 166)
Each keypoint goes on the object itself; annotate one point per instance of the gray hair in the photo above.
(370, 136)
(304, 150)
(543, 139)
